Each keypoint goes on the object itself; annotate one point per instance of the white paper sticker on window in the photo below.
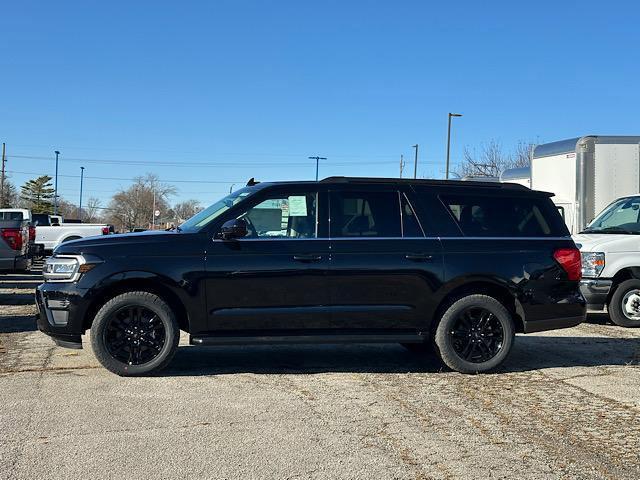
(298, 206)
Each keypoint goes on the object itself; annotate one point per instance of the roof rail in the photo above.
(421, 181)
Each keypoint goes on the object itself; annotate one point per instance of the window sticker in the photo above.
(298, 206)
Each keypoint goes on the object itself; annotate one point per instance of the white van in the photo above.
(610, 247)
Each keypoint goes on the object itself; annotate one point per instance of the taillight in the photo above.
(32, 233)
(569, 260)
(105, 230)
(13, 237)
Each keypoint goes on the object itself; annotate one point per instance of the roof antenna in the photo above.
(252, 182)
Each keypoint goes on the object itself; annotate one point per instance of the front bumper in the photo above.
(595, 291)
(60, 313)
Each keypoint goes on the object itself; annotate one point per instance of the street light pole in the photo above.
(317, 159)
(81, 181)
(415, 162)
(55, 193)
(446, 174)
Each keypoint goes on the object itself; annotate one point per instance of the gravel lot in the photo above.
(565, 405)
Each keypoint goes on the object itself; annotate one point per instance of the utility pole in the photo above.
(401, 164)
(4, 159)
(415, 162)
(446, 172)
(55, 194)
(317, 159)
(80, 206)
(153, 213)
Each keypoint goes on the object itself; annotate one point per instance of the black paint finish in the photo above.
(354, 287)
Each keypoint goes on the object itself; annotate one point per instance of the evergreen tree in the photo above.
(38, 195)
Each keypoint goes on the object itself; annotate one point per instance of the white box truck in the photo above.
(586, 174)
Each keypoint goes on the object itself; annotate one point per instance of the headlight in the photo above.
(592, 263)
(67, 268)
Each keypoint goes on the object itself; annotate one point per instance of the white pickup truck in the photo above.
(51, 230)
(610, 247)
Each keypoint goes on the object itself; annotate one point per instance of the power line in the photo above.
(185, 152)
(199, 164)
(227, 182)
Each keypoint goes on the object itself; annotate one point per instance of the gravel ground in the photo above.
(565, 405)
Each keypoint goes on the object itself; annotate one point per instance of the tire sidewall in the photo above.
(444, 343)
(615, 305)
(146, 300)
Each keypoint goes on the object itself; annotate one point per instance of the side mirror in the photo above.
(232, 229)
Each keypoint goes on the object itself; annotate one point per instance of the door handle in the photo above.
(418, 257)
(307, 258)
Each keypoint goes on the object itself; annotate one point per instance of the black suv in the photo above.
(462, 266)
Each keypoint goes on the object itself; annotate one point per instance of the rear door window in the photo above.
(410, 224)
(503, 216)
(365, 214)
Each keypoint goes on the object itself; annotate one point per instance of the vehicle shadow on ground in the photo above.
(16, 299)
(17, 323)
(295, 359)
(529, 353)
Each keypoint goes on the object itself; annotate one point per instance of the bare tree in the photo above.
(9, 197)
(90, 212)
(492, 160)
(67, 209)
(183, 211)
(133, 207)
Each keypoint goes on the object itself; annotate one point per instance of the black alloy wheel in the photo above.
(134, 335)
(477, 335)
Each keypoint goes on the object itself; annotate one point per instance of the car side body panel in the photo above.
(366, 285)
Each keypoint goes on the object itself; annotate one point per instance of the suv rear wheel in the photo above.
(475, 334)
(135, 333)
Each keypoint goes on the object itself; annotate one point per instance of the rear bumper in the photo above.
(553, 324)
(19, 263)
(595, 292)
(36, 250)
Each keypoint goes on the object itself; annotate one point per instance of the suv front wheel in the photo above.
(135, 333)
(475, 334)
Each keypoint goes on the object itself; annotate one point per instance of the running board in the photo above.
(308, 339)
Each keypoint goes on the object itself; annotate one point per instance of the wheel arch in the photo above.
(137, 282)
(627, 273)
(482, 286)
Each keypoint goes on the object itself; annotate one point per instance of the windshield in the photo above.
(212, 212)
(622, 216)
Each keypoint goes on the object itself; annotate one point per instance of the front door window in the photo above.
(284, 216)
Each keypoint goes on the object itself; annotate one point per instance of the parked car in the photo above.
(14, 245)
(460, 265)
(51, 231)
(24, 215)
(611, 261)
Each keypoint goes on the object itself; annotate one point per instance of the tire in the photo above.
(135, 333)
(493, 334)
(625, 298)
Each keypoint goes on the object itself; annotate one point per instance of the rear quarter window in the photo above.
(504, 216)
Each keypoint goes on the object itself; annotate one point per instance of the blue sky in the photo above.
(254, 87)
